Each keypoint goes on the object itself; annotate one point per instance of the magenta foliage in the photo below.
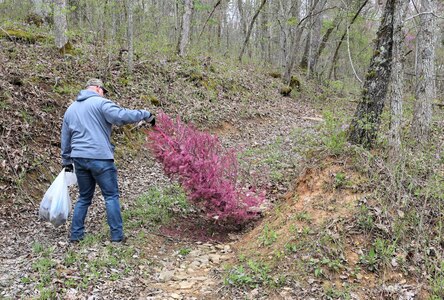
(207, 171)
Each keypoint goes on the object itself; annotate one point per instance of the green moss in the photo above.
(285, 90)
(295, 83)
(196, 76)
(275, 74)
(67, 49)
(66, 89)
(371, 74)
(20, 35)
(151, 100)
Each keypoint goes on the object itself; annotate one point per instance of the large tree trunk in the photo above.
(186, 22)
(365, 123)
(60, 24)
(425, 76)
(397, 82)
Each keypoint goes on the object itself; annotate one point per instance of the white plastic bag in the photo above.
(56, 204)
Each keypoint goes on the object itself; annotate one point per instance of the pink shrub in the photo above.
(207, 171)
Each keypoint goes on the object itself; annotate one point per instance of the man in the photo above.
(85, 141)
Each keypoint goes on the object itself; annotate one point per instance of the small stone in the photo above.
(215, 258)
(200, 278)
(166, 275)
(220, 247)
(175, 296)
(254, 293)
(195, 264)
(204, 260)
(185, 285)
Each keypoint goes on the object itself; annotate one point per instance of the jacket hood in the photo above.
(85, 94)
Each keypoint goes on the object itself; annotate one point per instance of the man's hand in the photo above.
(151, 119)
(68, 168)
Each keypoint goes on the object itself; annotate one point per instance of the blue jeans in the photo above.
(104, 173)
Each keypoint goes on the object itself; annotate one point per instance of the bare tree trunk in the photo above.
(313, 42)
(336, 53)
(250, 29)
(60, 24)
(41, 8)
(295, 43)
(130, 32)
(325, 39)
(242, 21)
(186, 22)
(397, 82)
(425, 81)
(209, 17)
(365, 124)
(264, 37)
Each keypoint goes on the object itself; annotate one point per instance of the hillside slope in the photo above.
(333, 230)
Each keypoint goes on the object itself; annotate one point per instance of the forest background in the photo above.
(372, 69)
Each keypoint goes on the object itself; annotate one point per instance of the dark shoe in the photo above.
(122, 240)
(75, 241)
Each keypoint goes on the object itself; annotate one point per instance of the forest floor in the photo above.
(158, 263)
(309, 244)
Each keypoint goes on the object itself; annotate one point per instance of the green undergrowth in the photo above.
(156, 207)
(94, 259)
(394, 225)
(81, 267)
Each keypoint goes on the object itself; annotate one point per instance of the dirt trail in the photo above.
(166, 268)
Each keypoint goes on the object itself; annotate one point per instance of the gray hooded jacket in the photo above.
(87, 123)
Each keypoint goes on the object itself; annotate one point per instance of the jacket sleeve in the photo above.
(117, 115)
(66, 143)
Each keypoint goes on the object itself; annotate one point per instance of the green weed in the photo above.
(365, 218)
(184, 251)
(38, 248)
(268, 236)
(303, 216)
(379, 255)
(340, 180)
(334, 135)
(253, 274)
(156, 206)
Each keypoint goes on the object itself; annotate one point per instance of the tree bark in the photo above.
(242, 20)
(397, 83)
(186, 22)
(425, 77)
(40, 8)
(365, 124)
(250, 29)
(60, 24)
(130, 32)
